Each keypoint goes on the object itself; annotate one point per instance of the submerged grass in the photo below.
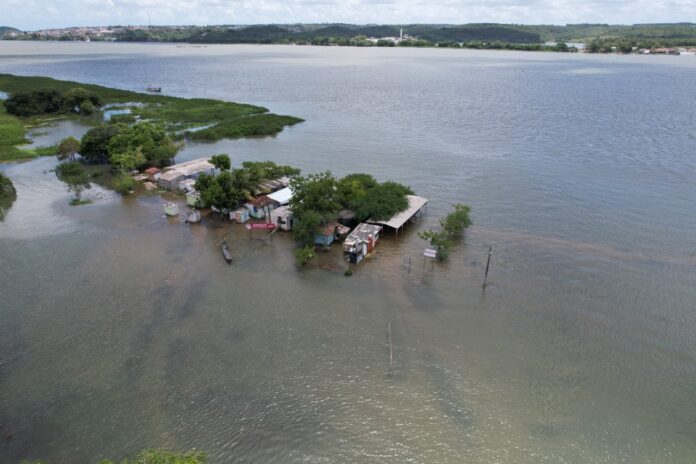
(177, 115)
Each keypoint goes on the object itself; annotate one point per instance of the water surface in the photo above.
(121, 329)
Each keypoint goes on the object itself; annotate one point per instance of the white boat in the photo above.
(171, 209)
(152, 88)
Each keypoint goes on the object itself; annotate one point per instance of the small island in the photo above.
(35, 101)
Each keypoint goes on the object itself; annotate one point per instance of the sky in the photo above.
(39, 14)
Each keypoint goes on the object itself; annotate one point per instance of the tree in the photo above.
(74, 176)
(220, 191)
(129, 160)
(317, 193)
(67, 148)
(94, 145)
(152, 140)
(457, 221)
(222, 162)
(439, 241)
(383, 201)
(453, 225)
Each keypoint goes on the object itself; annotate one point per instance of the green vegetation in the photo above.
(482, 35)
(157, 456)
(67, 148)
(232, 187)
(123, 183)
(94, 145)
(51, 101)
(8, 195)
(195, 119)
(304, 255)
(453, 226)
(140, 144)
(221, 162)
(317, 198)
(75, 177)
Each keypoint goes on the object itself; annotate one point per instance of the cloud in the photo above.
(36, 14)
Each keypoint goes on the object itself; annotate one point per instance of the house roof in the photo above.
(282, 196)
(152, 170)
(415, 204)
(363, 231)
(192, 167)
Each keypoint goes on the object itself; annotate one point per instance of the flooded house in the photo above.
(416, 208)
(171, 177)
(361, 241)
(281, 197)
(260, 207)
(153, 174)
(282, 217)
(240, 215)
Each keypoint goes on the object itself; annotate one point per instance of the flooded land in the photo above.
(122, 329)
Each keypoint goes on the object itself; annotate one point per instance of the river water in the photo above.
(121, 329)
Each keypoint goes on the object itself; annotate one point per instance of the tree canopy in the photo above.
(77, 100)
(94, 145)
(221, 161)
(73, 174)
(151, 140)
(67, 148)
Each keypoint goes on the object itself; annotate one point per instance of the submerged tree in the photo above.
(75, 178)
(67, 148)
(453, 226)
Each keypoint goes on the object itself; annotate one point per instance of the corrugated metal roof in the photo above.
(363, 231)
(415, 204)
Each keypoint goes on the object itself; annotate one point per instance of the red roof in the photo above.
(152, 170)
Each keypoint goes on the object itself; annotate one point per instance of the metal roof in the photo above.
(192, 167)
(282, 196)
(363, 231)
(415, 204)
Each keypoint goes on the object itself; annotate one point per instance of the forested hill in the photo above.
(7, 30)
(518, 35)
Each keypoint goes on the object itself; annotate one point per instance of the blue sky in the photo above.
(37, 14)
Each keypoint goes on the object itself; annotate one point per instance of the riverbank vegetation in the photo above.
(76, 179)
(8, 195)
(156, 456)
(482, 35)
(36, 100)
(453, 226)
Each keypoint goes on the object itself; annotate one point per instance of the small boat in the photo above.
(171, 209)
(152, 88)
(226, 252)
(193, 217)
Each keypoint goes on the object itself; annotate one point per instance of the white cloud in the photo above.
(35, 14)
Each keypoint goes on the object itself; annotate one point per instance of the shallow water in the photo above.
(121, 329)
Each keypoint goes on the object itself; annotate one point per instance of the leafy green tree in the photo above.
(74, 176)
(304, 255)
(439, 241)
(129, 160)
(317, 193)
(94, 145)
(8, 194)
(383, 201)
(152, 140)
(457, 221)
(67, 148)
(222, 162)
(123, 183)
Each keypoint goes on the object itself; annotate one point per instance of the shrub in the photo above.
(123, 183)
(304, 255)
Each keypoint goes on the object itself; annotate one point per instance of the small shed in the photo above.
(325, 235)
(240, 215)
(361, 241)
(282, 217)
(153, 174)
(259, 207)
(194, 199)
(170, 179)
(281, 197)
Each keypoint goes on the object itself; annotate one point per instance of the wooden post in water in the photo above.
(390, 345)
(409, 264)
(488, 263)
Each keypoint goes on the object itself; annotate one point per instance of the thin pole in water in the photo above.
(488, 263)
(409, 264)
(390, 345)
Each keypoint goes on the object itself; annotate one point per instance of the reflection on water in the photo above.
(121, 329)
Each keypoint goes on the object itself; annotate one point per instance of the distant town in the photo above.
(671, 39)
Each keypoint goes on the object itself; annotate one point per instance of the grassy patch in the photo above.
(78, 202)
(177, 115)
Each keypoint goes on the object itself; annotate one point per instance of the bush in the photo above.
(304, 255)
(123, 183)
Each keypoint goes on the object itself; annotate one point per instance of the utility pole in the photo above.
(488, 263)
